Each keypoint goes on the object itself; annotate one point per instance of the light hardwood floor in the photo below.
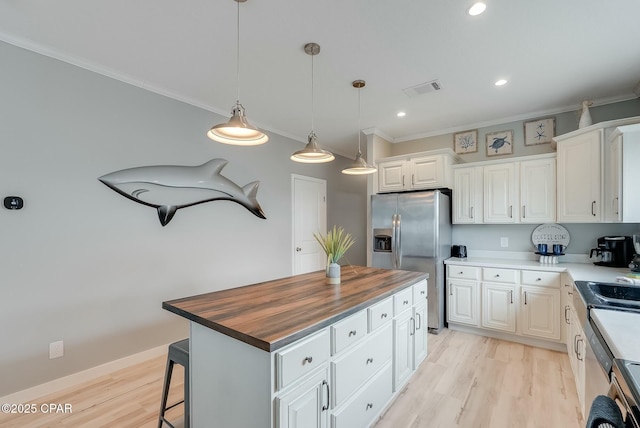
(466, 381)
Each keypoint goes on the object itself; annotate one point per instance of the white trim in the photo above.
(30, 394)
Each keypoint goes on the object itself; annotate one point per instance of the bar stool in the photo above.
(178, 354)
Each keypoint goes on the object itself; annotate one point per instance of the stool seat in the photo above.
(178, 354)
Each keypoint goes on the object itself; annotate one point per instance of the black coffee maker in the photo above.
(613, 251)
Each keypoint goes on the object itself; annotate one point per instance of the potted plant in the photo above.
(335, 243)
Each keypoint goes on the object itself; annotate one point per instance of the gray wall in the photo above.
(83, 264)
(565, 122)
(487, 237)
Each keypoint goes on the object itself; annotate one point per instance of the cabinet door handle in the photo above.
(307, 360)
(369, 360)
(413, 326)
(405, 302)
(525, 297)
(450, 290)
(578, 353)
(575, 344)
(566, 315)
(326, 384)
(298, 249)
(403, 181)
(524, 211)
(369, 406)
(616, 206)
(497, 275)
(538, 279)
(593, 208)
(511, 296)
(413, 181)
(383, 315)
(471, 212)
(419, 321)
(510, 211)
(352, 333)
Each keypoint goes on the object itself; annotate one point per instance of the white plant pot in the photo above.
(333, 273)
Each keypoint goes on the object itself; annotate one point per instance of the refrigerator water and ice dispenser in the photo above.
(382, 240)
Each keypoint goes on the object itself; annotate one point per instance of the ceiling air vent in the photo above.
(423, 88)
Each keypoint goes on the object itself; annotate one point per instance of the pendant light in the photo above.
(237, 131)
(359, 165)
(312, 153)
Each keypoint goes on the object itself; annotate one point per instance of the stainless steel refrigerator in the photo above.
(412, 231)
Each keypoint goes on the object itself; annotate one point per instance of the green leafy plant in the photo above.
(335, 243)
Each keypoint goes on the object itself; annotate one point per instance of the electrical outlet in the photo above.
(504, 242)
(56, 349)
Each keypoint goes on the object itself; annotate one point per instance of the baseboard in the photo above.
(30, 394)
(539, 343)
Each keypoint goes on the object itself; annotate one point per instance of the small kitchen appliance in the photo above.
(613, 251)
(460, 251)
(635, 262)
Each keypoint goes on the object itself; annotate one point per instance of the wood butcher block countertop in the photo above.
(272, 314)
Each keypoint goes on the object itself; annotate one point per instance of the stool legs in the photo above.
(165, 392)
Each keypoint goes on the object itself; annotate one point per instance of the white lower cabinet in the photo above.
(364, 407)
(540, 312)
(463, 301)
(402, 349)
(306, 405)
(498, 307)
(525, 303)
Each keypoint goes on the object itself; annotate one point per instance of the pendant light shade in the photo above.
(312, 153)
(359, 165)
(237, 131)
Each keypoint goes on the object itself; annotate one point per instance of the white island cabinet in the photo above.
(304, 353)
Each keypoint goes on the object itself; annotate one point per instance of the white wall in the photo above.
(81, 263)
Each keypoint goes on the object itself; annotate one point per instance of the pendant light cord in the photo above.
(359, 104)
(312, 103)
(238, 55)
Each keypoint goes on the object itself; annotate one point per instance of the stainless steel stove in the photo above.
(625, 383)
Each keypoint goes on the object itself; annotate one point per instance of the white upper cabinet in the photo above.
(427, 170)
(596, 170)
(538, 191)
(622, 151)
(514, 190)
(467, 195)
(500, 197)
(579, 192)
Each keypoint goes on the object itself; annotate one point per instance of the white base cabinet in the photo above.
(344, 375)
(524, 303)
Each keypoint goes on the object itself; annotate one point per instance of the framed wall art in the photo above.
(539, 131)
(499, 143)
(465, 142)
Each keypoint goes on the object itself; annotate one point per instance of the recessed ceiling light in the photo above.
(477, 9)
(401, 114)
(500, 82)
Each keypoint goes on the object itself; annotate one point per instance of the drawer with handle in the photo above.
(351, 370)
(301, 358)
(362, 409)
(541, 278)
(348, 331)
(380, 313)
(463, 272)
(509, 276)
(419, 291)
(402, 300)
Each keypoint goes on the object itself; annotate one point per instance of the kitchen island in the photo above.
(298, 352)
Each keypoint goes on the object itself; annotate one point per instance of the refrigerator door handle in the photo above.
(394, 239)
(398, 241)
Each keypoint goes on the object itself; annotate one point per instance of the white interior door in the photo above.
(309, 217)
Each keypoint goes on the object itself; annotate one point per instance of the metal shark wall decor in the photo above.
(171, 187)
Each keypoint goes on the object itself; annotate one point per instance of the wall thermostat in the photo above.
(13, 202)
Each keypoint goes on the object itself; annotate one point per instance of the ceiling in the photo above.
(555, 54)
